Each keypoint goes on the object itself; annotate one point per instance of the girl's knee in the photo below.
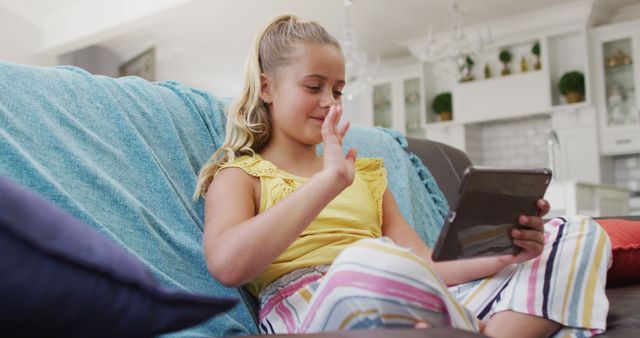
(383, 256)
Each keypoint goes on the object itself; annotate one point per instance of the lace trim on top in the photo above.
(258, 167)
(370, 170)
(374, 174)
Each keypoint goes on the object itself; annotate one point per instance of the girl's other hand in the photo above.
(531, 237)
(342, 167)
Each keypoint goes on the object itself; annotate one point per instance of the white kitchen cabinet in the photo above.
(617, 47)
(580, 198)
(575, 157)
(397, 100)
(503, 97)
(450, 133)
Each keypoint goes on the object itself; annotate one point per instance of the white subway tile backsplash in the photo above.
(526, 150)
(508, 152)
(522, 128)
(511, 143)
(495, 142)
(517, 161)
(517, 141)
(538, 161)
(538, 140)
(626, 171)
(542, 149)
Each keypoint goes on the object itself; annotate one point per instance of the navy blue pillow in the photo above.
(59, 277)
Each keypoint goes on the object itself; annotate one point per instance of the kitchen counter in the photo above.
(575, 197)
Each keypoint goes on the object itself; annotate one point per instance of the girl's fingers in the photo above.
(543, 207)
(336, 119)
(352, 154)
(528, 235)
(330, 125)
(533, 222)
(343, 130)
(533, 247)
(327, 124)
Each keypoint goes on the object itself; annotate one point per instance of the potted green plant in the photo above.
(535, 50)
(571, 85)
(505, 58)
(442, 106)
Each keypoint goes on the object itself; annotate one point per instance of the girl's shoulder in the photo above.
(372, 171)
(368, 164)
(252, 165)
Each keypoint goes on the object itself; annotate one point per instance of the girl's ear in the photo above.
(265, 88)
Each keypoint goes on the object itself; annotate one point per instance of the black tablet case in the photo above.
(492, 199)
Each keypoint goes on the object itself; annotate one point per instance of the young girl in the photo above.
(322, 244)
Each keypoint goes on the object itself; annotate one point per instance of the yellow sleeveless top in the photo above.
(354, 214)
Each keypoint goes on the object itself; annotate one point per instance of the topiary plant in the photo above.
(571, 85)
(442, 103)
(505, 58)
(535, 50)
(572, 82)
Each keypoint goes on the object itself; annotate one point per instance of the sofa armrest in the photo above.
(447, 165)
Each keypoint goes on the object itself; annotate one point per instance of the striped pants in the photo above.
(375, 283)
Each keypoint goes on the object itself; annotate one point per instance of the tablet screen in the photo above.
(491, 201)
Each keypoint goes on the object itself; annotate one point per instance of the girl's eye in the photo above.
(337, 93)
(314, 88)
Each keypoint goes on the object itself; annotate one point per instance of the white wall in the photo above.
(94, 59)
(19, 40)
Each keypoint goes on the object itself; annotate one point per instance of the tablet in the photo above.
(491, 200)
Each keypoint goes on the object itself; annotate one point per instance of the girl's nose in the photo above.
(328, 99)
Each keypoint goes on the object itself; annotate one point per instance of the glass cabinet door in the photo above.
(620, 93)
(412, 111)
(382, 105)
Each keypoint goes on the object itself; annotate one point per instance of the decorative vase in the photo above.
(487, 71)
(445, 116)
(524, 66)
(505, 69)
(537, 65)
(574, 97)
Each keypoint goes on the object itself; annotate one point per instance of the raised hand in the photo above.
(531, 238)
(335, 163)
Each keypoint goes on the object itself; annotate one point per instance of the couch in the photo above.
(120, 157)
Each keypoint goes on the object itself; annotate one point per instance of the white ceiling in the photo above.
(204, 42)
(380, 23)
(35, 11)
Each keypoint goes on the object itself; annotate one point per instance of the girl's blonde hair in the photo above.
(248, 121)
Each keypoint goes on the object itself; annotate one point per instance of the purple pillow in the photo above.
(59, 277)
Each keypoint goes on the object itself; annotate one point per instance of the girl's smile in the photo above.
(319, 119)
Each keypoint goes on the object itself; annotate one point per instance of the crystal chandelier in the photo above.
(451, 53)
(358, 69)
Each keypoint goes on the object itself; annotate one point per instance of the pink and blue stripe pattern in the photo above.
(375, 283)
(372, 283)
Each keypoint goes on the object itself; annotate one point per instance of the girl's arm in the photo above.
(238, 244)
(465, 270)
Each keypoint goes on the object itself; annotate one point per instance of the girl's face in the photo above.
(300, 96)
